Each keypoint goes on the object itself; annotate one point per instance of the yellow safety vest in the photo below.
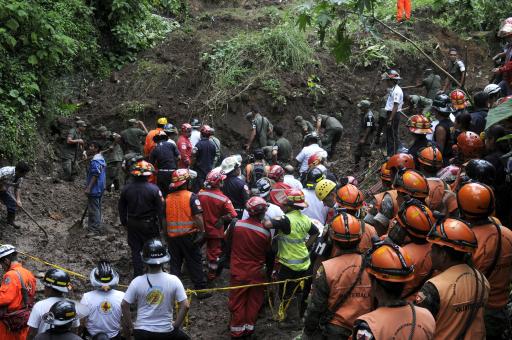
(292, 251)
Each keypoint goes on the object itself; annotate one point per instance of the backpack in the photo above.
(258, 171)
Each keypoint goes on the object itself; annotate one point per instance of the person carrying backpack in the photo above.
(257, 169)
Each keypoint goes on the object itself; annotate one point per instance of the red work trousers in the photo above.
(401, 7)
(213, 252)
(244, 305)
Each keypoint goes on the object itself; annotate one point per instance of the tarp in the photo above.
(499, 113)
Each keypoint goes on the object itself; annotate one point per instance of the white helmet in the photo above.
(492, 89)
(6, 249)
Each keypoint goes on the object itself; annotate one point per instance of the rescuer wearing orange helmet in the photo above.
(493, 257)
(456, 297)
(469, 146)
(185, 228)
(341, 289)
(251, 242)
(16, 295)
(429, 160)
(419, 126)
(413, 222)
(410, 183)
(390, 268)
(140, 208)
(350, 198)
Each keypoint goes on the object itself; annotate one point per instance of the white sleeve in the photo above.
(35, 317)
(300, 156)
(462, 67)
(180, 295)
(397, 96)
(245, 215)
(131, 293)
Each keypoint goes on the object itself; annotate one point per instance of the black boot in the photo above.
(10, 220)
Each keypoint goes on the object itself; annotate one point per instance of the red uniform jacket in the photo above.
(215, 204)
(250, 243)
(185, 149)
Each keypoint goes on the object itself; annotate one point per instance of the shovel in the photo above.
(31, 218)
(79, 224)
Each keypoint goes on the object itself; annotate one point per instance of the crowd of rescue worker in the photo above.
(425, 253)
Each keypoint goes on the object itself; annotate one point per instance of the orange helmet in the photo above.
(400, 161)
(415, 218)
(455, 234)
(412, 183)
(431, 156)
(385, 173)
(419, 124)
(470, 145)
(458, 98)
(389, 262)
(476, 200)
(295, 198)
(346, 228)
(349, 197)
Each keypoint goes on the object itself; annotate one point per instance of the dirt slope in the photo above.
(170, 79)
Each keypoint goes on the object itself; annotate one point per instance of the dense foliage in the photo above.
(250, 58)
(44, 43)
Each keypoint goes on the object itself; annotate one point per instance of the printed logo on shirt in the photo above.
(105, 307)
(154, 296)
(7, 280)
(183, 147)
(198, 203)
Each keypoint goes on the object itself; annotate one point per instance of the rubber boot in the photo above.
(10, 220)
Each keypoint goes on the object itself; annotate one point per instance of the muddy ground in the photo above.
(177, 86)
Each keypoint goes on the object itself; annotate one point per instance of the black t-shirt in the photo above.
(164, 156)
(205, 155)
(139, 200)
(236, 190)
(447, 124)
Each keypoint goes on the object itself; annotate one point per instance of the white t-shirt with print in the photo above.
(39, 310)
(155, 302)
(396, 95)
(316, 208)
(104, 311)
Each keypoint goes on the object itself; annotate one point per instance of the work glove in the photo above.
(199, 238)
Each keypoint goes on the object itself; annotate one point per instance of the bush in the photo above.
(44, 43)
(243, 60)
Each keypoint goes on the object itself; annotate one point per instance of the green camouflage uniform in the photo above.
(70, 154)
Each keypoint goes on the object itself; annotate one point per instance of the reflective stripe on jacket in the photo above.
(292, 250)
(179, 214)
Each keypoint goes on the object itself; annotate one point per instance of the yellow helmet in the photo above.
(324, 188)
(161, 121)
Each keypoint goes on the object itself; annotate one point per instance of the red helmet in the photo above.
(276, 172)
(470, 145)
(186, 127)
(419, 124)
(206, 131)
(295, 197)
(179, 178)
(315, 159)
(256, 205)
(458, 98)
(400, 161)
(215, 178)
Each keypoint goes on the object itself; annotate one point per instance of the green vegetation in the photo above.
(46, 47)
(238, 63)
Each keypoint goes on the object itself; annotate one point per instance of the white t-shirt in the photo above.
(195, 137)
(316, 208)
(273, 211)
(104, 311)
(396, 95)
(155, 303)
(41, 308)
(305, 153)
(292, 181)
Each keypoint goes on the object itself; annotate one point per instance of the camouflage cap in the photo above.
(132, 121)
(364, 104)
(102, 128)
(298, 119)
(81, 123)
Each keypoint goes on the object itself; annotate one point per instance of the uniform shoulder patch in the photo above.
(420, 297)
